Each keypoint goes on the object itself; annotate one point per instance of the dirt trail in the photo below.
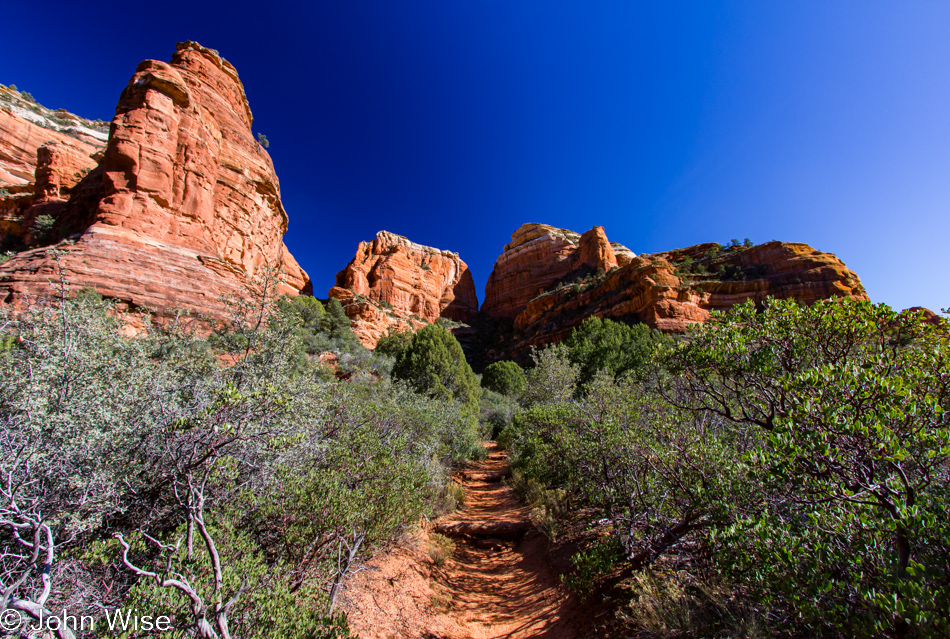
(497, 584)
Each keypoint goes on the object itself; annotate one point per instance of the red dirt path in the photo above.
(497, 584)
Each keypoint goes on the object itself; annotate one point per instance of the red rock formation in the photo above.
(539, 256)
(926, 315)
(394, 282)
(26, 126)
(184, 207)
(58, 147)
(667, 291)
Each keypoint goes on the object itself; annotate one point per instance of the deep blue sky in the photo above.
(454, 121)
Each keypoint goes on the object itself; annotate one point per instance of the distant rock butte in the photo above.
(540, 255)
(927, 315)
(394, 282)
(549, 280)
(183, 208)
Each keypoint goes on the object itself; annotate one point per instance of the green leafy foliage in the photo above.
(434, 364)
(797, 455)
(553, 379)
(606, 345)
(337, 325)
(505, 378)
(218, 481)
(394, 342)
(851, 399)
(496, 411)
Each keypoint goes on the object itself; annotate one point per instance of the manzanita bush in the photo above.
(800, 452)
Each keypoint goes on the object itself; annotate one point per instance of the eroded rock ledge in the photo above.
(548, 280)
(392, 281)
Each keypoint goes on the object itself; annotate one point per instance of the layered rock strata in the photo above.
(43, 155)
(393, 282)
(667, 291)
(183, 208)
(26, 126)
(539, 256)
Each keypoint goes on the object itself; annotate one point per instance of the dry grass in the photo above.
(440, 548)
(547, 505)
(666, 605)
(451, 498)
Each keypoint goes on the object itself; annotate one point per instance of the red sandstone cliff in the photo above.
(540, 255)
(54, 149)
(394, 282)
(549, 280)
(183, 208)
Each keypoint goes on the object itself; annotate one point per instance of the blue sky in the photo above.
(668, 123)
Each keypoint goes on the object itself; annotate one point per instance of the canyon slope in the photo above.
(393, 282)
(181, 208)
(548, 280)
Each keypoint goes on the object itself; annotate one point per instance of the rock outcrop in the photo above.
(43, 155)
(183, 208)
(26, 126)
(395, 282)
(546, 288)
(539, 256)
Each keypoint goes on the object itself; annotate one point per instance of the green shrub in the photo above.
(505, 378)
(42, 227)
(604, 345)
(496, 411)
(552, 380)
(394, 342)
(596, 561)
(434, 364)
(337, 326)
(221, 460)
(850, 400)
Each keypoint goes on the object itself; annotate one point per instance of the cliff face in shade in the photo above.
(539, 256)
(183, 208)
(395, 282)
(668, 291)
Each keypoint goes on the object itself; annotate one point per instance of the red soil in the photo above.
(498, 582)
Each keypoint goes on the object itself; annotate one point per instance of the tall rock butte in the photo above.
(183, 208)
(548, 280)
(393, 282)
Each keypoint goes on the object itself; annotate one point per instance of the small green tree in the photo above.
(337, 325)
(42, 228)
(394, 342)
(553, 379)
(504, 377)
(610, 346)
(435, 364)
